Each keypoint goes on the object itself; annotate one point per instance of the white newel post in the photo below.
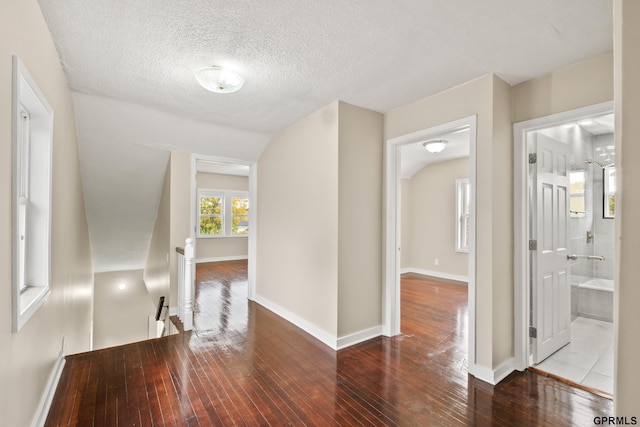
(187, 298)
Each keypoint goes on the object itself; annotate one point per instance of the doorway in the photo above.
(564, 249)
(393, 247)
(230, 168)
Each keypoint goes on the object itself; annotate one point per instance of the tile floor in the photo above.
(588, 358)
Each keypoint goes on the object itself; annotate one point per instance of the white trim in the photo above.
(222, 258)
(50, 389)
(321, 335)
(494, 376)
(173, 311)
(358, 337)
(521, 207)
(391, 304)
(438, 274)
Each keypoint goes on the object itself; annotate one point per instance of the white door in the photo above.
(551, 290)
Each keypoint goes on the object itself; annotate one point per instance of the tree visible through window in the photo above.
(223, 213)
(211, 209)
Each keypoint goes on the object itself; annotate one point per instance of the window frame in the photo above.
(32, 147)
(227, 212)
(463, 190)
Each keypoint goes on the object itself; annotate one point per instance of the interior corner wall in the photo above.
(156, 270)
(502, 223)
(472, 98)
(219, 248)
(430, 228)
(579, 85)
(179, 211)
(27, 357)
(627, 134)
(297, 233)
(360, 149)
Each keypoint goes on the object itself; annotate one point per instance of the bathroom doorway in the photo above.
(565, 246)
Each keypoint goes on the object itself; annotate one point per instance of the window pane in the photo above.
(239, 206)
(211, 225)
(240, 224)
(210, 205)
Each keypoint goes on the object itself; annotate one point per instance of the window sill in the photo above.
(223, 236)
(30, 301)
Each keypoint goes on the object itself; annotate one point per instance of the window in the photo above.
(609, 192)
(463, 212)
(223, 213)
(577, 207)
(31, 196)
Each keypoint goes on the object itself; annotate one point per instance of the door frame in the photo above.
(253, 213)
(521, 218)
(391, 303)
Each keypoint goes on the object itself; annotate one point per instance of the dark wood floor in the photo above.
(247, 366)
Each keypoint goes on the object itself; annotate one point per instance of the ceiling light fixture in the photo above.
(435, 146)
(219, 80)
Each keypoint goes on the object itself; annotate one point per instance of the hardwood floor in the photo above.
(247, 366)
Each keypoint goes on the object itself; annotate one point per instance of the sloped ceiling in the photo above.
(125, 58)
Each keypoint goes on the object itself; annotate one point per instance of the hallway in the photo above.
(247, 366)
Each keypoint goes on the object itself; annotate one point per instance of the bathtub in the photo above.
(592, 298)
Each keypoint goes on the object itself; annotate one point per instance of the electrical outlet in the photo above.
(436, 261)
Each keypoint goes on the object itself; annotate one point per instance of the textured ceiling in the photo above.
(127, 59)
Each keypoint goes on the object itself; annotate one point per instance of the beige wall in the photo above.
(627, 134)
(322, 260)
(156, 271)
(429, 212)
(359, 219)
(27, 357)
(297, 252)
(120, 316)
(585, 83)
(484, 97)
(222, 247)
(179, 211)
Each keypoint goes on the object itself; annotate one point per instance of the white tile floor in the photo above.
(588, 359)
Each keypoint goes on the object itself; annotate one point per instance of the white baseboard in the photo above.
(358, 337)
(50, 389)
(173, 311)
(438, 274)
(321, 335)
(494, 376)
(222, 258)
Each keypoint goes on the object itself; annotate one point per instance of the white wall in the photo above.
(28, 357)
(221, 247)
(120, 316)
(429, 226)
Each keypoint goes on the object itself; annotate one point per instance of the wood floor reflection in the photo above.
(247, 366)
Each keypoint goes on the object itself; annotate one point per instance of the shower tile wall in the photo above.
(604, 242)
